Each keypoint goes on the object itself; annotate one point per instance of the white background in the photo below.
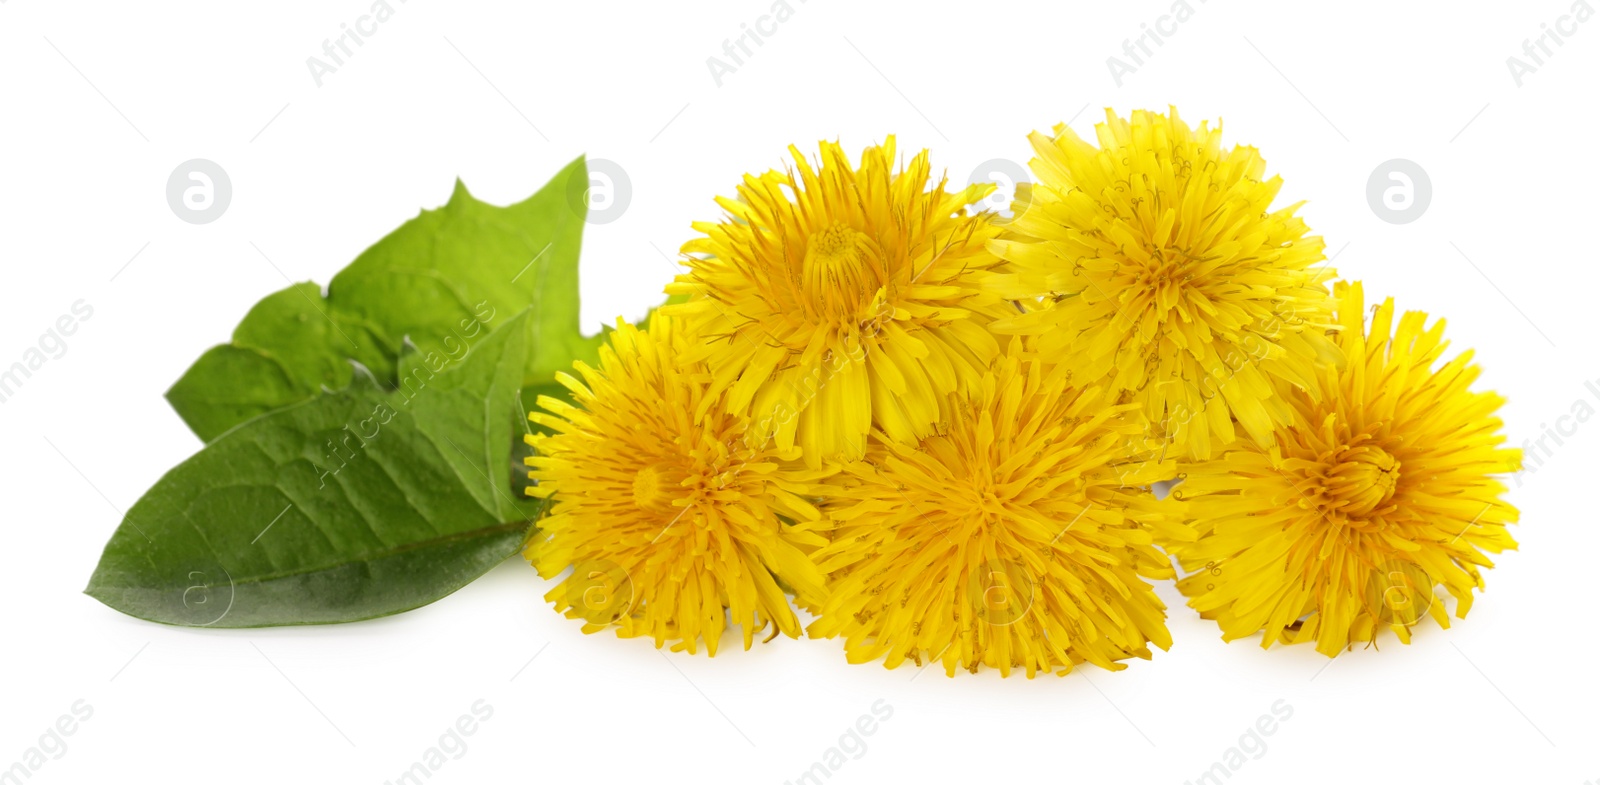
(99, 102)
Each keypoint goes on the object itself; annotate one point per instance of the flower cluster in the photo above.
(938, 431)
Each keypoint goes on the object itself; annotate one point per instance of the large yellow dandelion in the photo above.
(1020, 538)
(833, 299)
(1380, 489)
(673, 522)
(1157, 261)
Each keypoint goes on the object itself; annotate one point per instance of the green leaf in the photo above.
(356, 504)
(440, 280)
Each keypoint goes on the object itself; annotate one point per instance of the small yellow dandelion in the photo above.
(1380, 489)
(1019, 538)
(1157, 262)
(833, 299)
(673, 521)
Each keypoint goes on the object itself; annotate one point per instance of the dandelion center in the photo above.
(655, 486)
(977, 503)
(1363, 480)
(1166, 278)
(834, 276)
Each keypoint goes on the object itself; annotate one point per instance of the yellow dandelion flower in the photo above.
(1157, 261)
(1019, 538)
(833, 299)
(672, 521)
(1378, 491)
